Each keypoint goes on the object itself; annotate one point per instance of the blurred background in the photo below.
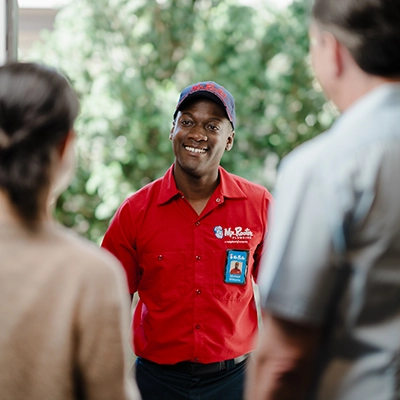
(129, 60)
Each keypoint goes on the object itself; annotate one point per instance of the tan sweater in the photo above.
(63, 318)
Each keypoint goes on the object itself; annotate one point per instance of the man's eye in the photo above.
(212, 127)
(185, 122)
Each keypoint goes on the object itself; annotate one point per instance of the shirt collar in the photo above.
(383, 95)
(168, 188)
(227, 187)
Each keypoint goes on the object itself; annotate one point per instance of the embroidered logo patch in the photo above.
(238, 233)
(234, 235)
(219, 232)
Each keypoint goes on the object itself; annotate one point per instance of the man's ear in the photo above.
(335, 53)
(172, 130)
(229, 141)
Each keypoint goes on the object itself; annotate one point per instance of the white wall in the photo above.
(3, 31)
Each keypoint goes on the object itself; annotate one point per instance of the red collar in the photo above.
(227, 187)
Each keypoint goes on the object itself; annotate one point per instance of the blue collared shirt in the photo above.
(334, 250)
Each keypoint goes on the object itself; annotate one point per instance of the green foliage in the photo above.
(129, 59)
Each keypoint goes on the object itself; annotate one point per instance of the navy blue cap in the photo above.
(212, 91)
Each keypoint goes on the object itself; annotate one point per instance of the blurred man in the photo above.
(177, 238)
(331, 292)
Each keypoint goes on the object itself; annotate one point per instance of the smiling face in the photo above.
(200, 135)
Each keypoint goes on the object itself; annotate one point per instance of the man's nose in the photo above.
(198, 133)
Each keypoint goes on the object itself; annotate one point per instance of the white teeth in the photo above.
(193, 150)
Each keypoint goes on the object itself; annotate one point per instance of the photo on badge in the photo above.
(236, 266)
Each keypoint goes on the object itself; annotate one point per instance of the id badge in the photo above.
(236, 266)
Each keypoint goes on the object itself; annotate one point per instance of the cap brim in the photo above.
(203, 95)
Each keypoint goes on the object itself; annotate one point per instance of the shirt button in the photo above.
(160, 257)
(218, 200)
(198, 291)
(197, 223)
(198, 257)
(195, 359)
(197, 326)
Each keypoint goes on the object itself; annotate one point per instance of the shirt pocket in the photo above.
(229, 291)
(163, 279)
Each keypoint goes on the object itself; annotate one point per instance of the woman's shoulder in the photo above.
(80, 254)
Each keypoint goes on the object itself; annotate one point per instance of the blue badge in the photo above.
(236, 266)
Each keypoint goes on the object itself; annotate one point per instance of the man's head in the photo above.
(211, 91)
(202, 129)
(369, 29)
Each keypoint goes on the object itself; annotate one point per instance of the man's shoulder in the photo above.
(140, 202)
(246, 185)
(310, 154)
(149, 190)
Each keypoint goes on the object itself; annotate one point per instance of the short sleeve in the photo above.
(298, 272)
(119, 240)
(267, 205)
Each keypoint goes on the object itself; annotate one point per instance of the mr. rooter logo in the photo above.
(233, 233)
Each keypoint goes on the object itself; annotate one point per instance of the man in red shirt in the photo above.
(177, 237)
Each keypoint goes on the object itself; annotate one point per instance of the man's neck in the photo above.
(197, 190)
(361, 85)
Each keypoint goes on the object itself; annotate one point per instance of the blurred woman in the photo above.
(62, 300)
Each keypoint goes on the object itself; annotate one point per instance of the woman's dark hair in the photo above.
(370, 29)
(38, 108)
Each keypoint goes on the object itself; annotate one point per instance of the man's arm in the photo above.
(281, 366)
(119, 240)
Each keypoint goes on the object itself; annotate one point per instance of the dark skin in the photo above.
(236, 269)
(200, 135)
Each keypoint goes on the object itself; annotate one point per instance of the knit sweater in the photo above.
(63, 318)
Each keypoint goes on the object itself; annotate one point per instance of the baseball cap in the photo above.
(212, 91)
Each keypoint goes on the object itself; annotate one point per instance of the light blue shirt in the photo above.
(333, 255)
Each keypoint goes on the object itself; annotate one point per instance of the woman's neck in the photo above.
(9, 214)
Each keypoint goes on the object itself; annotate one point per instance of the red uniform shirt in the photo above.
(176, 260)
